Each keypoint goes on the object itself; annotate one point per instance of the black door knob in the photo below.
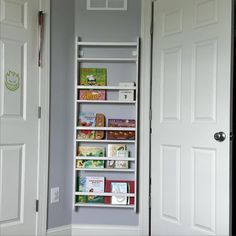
(220, 136)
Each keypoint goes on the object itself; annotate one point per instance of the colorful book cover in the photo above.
(93, 76)
(81, 182)
(87, 151)
(112, 150)
(130, 186)
(121, 135)
(92, 95)
(88, 120)
(96, 185)
(119, 187)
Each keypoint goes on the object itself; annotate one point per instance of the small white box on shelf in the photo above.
(126, 95)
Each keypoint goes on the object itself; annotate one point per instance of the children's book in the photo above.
(122, 164)
(81, 182)
(112, 150)
(93, 77)
(121, 135)
(88, 120)
(119, 187)
(96, 185)
(130, 187)
(88, 151)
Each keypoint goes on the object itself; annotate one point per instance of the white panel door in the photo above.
(190, 103)
(19, 98)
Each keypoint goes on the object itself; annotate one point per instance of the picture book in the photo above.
(81, 182)
(119, 187)
(93, 76)
(96, 185)
(130, 189)
(92, 95)
(91, 120)
(112, 150)
(87, 151)
(121, 135)
(122, 164)
(88, 120)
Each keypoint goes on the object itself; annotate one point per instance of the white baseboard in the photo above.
(96, 230)
(60, 231)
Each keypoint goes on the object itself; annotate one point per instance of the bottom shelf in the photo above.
(102, 205)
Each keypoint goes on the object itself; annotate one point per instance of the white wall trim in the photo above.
(44, 102)
(96, 230)
(63, 231)
(144, 151)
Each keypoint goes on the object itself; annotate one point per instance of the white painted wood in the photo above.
(103, 205)
(106, 128)
(42, 194)
(106, 87)
(19, 132)
(78, 102)
(105, 170)
(85, 230)
(106, 59)
(106, 101)
(106, 194)
(104, 141)
(108, 44)
(106, 158)
(191, 102)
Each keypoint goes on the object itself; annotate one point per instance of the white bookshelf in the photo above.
(82, 59)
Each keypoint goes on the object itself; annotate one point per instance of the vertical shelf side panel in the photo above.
(137, 129)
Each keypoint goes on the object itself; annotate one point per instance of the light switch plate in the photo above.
(55, 195)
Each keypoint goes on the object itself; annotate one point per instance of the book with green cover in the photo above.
(81, 187)
(93, 76)
(88, 151)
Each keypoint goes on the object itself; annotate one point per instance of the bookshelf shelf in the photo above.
(106, 128)
(128, 91)
(105, 194)
(106, 87)
(103, 205)
(106, 101)
(106, 158)
(105, 169)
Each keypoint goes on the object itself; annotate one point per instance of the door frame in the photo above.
(44, 103)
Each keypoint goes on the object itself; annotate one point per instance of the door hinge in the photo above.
(150, 114)
(39, 112)
(37, 206)
(150, 192)
(150, 201)
(151, 28)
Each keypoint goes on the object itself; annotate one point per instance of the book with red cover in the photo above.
(107, 200)
(121, 135)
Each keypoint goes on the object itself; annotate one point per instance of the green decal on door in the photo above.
(12, 80)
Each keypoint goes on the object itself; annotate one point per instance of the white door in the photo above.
(19, 98)
(190, 103)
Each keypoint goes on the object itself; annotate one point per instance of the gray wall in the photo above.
(61, 128)
(70, 18)
(109, 26)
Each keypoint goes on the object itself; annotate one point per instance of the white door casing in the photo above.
(190, 103)
(19, 124)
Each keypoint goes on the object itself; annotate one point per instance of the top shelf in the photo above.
(108, 44)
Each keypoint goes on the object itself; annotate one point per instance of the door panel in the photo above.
(19, 124)
(190, 103)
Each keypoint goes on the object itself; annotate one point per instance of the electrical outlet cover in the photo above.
(55, 195)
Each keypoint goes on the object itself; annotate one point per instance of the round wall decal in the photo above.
(12, 80)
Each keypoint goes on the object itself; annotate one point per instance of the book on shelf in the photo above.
(130, 189)
(81, 187)
(91, 119)
(88, 151)
(121, 135)
(93, 77)
(126, 95)
(119, 187)
(95, 185)
(117, 150)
